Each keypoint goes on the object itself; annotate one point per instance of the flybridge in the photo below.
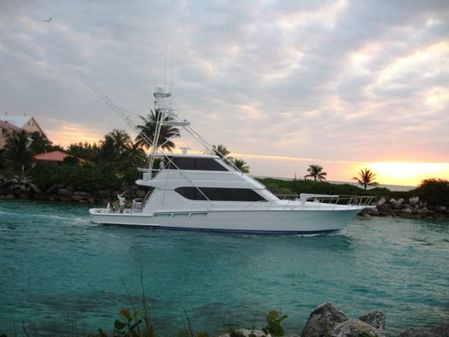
(207, 192)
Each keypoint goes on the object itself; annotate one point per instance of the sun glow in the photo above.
(408, 173)
(70, 133)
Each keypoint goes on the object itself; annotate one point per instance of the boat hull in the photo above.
(246, 221)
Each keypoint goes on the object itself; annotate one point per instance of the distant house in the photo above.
(11, 123)
(6, 130)
(55, 157)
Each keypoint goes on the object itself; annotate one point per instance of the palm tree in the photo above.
(222, 152)
(366, 178)
(115, 143)
(17, 150)
(148, 129)
(84, 150)
(241, 165)
(39, 143)
(134, 154)
(316, 172)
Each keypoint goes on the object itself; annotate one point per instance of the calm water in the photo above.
(60, 274)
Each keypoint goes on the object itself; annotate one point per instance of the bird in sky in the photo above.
(48, 20)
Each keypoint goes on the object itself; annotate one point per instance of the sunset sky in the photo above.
(283, 84)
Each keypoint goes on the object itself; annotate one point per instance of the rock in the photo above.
(396, 204)
(440, 209)
(54, 189)
(322, 320)
(413, 201)
(23, 188)
(406, 211)
(355, 328)
(23, 195)
(371, 211)
(104, 194)
(34, 188)
(375, 318)
(438, 331)
(7, 197)
(81, 196)
(64, 193)
(381, 202)
(246, 333)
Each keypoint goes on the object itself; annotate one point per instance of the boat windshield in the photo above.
(193, 163)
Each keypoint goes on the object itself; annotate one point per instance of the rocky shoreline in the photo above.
(406, 208)
(326, 320)
(13, 188)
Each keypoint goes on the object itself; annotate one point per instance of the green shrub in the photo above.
(273, 321)
(435, 192)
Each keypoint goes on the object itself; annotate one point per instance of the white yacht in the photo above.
(207, 192)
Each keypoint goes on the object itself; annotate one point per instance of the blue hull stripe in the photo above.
(224, 230)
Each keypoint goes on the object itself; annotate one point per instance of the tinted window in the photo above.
(202, 164)
(219, 194)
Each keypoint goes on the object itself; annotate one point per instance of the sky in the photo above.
(282, 84)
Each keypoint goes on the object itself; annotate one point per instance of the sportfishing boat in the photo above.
(191, 191)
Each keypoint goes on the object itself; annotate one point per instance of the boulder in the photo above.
(64, 193)
(355, 328)
(322, 320)
(246, 333)
(34, 188)
(375, 318)
(440, 209)
(412, 201)
(396, 204)
(381, 202)
(406, 211)
(54, 189)
(104, 194)
(438, 331)
(81, 196)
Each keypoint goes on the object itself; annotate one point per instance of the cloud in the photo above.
(332, 80)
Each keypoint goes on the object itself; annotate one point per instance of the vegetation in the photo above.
(222, 152)
(316, 172)
(148, 129)
(241, 165)
(16, 156)
(435, 192)
(366, 178)
(113, 162)
(274, 320)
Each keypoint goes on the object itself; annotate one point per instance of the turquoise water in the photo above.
(62, 275)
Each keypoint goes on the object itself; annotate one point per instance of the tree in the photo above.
(366, 178)
(115, 144)
(148, 130)
(84, 150)
(435, 192)
(316, 172)
(17, 151)
(134, 155)
(241, 165)
(39, 143)
(222, 152)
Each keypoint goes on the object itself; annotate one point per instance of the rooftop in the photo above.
(56, 156)
(18, 121)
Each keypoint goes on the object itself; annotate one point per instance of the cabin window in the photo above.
(219, 194)
(188, 163)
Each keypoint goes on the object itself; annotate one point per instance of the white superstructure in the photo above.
(206, 192)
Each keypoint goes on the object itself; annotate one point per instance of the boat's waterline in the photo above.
(248, 221)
